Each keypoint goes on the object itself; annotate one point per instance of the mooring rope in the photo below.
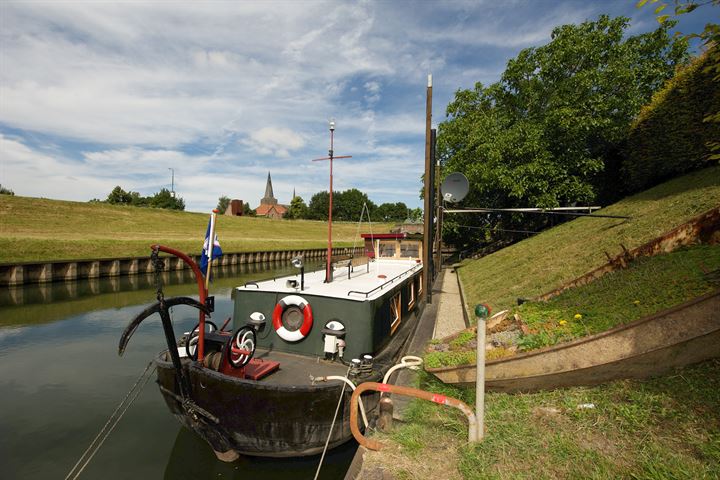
(108, 428)
(327, 442)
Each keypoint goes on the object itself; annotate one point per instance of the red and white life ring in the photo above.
(290, 307)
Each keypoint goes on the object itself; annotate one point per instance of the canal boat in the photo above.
(268, 384)
(277, 377)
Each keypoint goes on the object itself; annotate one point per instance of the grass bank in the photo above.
(648, 286)
(36, 229)
(546, 261)
(667, 427)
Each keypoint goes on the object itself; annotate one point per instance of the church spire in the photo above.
(268, 188)
(269, 198)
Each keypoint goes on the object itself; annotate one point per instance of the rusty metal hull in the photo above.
(679, 336)
(263, 419)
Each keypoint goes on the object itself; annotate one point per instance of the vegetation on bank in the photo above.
(546, 261)
(649, 285)
(35, 229)
(162, 199)
(666, 427)
(675, 133)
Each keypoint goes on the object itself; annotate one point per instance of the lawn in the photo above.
(35, 229)
(667, 427)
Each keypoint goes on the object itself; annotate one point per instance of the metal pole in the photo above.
(481, 313)
(328, 273)
(172, 184)
(428, 214)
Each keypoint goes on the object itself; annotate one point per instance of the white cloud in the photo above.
(95, 94)
(274, 141)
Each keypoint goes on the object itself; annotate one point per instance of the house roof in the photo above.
(264, 209)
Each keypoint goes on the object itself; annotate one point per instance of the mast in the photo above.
(428, 214)
(331, 157)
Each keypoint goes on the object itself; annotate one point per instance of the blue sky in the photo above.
(98, 94)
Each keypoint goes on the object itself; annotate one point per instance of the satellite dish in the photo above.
(455, 187)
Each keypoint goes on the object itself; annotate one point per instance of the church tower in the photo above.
(269, 206)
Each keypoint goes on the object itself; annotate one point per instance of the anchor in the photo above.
(163, 308)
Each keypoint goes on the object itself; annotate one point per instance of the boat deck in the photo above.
(298, 369)
(366, 282)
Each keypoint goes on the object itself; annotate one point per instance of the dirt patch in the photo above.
(394, 462)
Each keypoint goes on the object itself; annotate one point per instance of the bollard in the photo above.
(385, 417)
(481, 313)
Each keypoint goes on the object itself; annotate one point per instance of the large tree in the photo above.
(347, 205)
(297, 209)
(548, 133)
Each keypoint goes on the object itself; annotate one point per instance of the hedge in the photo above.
(669, 137)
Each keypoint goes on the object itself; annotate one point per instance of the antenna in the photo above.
(455, 187)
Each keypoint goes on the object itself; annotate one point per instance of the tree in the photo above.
(165, 199)
(223, 203)
(549, 132)
(5, 191)
(348, 204)
(318, 206)
(391, 212)
(247, 211)
(119, 196)
(297, 209)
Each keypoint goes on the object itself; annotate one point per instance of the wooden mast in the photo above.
(428, 214)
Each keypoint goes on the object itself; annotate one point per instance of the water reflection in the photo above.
(61, 377)
(190, 459)
(41, 303)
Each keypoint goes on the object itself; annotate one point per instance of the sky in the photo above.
(96, 94)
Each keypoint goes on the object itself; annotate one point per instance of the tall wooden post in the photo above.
(428, 214)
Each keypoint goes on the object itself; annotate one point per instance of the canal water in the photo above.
(61, 378)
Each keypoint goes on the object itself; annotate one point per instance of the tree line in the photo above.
(162, 199)
(347, 206)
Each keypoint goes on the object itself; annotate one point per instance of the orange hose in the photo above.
(411, 392)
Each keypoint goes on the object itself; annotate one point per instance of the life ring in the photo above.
(287, 315)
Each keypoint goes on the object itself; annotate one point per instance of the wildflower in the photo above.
(562, 322)
(578, 316)
(637, 302)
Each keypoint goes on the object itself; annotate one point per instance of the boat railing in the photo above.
(381, 286)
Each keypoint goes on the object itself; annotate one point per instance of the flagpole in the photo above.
(211, 247)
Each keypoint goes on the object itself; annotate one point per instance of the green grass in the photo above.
(35, 229)
(546, 261)
(667, 427)
(649, 285)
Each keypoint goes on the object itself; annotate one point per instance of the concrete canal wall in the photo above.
(44, 272)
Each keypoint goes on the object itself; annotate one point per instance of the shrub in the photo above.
(673, 134)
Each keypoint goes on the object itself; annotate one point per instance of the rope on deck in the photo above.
(111, 423)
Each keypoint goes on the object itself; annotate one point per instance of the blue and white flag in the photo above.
(206, 254)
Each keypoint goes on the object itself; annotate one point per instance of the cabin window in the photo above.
(387, 249)
(410, 250)
(395, 313)
(411, 295)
